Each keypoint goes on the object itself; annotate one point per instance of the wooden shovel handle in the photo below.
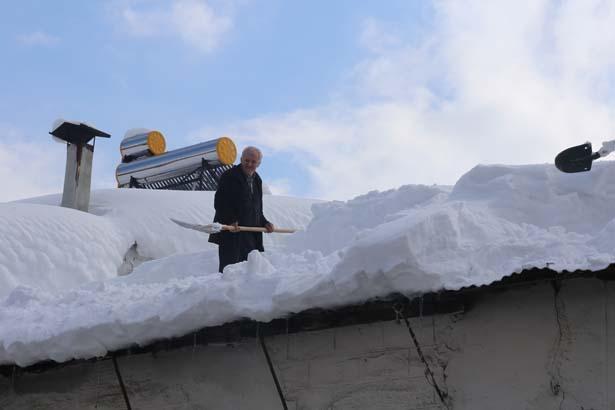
(256, 229)
(283, 230)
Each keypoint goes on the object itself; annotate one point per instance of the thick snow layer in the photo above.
(61, 298)
(51, 248)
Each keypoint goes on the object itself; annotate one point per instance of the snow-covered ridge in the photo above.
(51, 248)
(63, 299)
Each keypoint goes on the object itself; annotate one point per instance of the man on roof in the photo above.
(239, 201)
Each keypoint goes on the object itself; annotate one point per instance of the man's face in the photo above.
(249, 162)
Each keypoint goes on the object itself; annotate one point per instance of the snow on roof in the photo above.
(61, 298)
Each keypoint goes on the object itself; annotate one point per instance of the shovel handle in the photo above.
(257, 229)
(283, 230)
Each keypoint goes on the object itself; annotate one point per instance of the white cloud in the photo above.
(29, 169)
(281, 186)
(194, 21)
(493, 82)
(375, 38)
(38, 38)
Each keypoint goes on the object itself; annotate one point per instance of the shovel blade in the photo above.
(210, 228)
(575, 159)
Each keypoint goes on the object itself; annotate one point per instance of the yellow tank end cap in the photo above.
(156, 143)
(226, 150)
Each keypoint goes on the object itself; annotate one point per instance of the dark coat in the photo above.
(235, 203)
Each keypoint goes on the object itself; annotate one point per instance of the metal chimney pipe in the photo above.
(79, 155)
(78, 176)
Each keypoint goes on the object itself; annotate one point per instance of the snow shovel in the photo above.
(580, 157)
(216, 227)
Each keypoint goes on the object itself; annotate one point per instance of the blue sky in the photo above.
(343, 96)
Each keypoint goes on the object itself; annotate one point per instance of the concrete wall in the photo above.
(211, 377)
(523, 348)
(528, 347)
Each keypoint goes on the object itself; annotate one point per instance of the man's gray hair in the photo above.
(252, 150)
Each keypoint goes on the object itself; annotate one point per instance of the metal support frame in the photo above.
(203, 178)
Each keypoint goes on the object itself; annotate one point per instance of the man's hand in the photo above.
(269, 227)
(235, 227)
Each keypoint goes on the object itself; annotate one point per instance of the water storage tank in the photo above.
(142, 144)
(217, 152)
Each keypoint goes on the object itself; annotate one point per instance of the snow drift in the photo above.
(61, 298)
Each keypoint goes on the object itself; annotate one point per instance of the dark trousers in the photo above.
(235, 248)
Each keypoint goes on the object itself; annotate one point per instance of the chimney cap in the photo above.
(77, 133)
